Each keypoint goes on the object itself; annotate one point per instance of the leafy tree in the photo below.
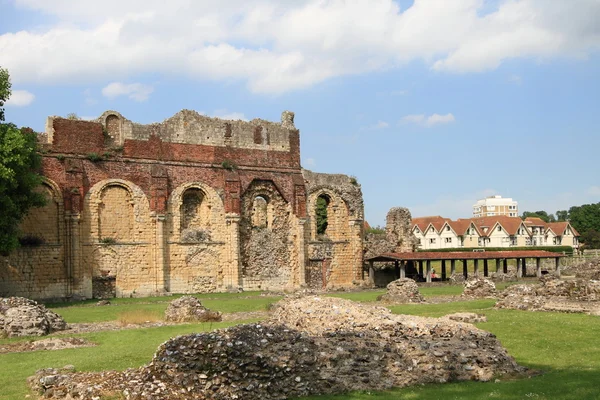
(19, 163)
(585, 217)
(562, 215)
(321, 214)
(4, 90)
(591, 239)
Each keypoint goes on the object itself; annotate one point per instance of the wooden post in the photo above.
(524, 267)
(557, 264)
(452, 267)
(421, 268)
(465, 272)
(443, 270)
(497, 265)
(371, 273)
(538, 267)
(505, 266)
(485, 267)
(403, 269)
(397, 269)
(519, 270)
(476, 267)
(428, 271)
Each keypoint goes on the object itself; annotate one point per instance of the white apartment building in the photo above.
(495, 205)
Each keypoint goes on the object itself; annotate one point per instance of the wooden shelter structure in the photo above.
(501, 259)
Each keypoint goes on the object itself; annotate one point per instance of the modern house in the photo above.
(437, 232)
(495, 205)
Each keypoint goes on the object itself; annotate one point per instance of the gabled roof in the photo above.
(460, 226)
(535, 221)
(510, 224)
(424, 222)
(559, 228)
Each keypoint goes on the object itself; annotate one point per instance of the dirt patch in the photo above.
(58, 343)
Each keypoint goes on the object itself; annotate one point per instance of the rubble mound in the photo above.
(24, 317)
(503, 277)
(312, 345)
(588, 269)
(190, 309)
(55, 343)
(404, 290)
(553, 294)
(477, 288)
(466, 317)
(457, 278)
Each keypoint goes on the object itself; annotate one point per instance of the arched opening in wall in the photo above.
(41, 224)
(195, 216)
(113, 130)
(115, 215)
(260, 212)
(322, 215)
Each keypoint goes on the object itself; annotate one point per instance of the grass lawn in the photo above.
(564, 346)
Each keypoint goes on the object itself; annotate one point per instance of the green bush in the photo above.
(94, 157)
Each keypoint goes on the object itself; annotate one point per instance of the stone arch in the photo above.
(195, 205)
(46, 222)
(113, 127)
(266, 248)
(117, 236)
(337, 212)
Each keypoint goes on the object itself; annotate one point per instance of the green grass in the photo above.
(86, 311)
(564, 346)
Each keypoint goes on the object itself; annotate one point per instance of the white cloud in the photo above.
(451, 206)
(134, 91)
(310, 163)
(516, 79)
(276, 46)
(428, 121)
(20, 98)
(224, 114)
(594, 191)
(378, 126)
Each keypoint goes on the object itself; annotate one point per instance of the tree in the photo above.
(19, 163)
(4, 90)
(585, 217)
(591, 239)
(321, 214)
(562, 215)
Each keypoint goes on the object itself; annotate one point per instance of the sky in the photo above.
(430, 104)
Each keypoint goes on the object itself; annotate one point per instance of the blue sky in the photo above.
(431, 104)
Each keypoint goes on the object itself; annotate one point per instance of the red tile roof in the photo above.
(510, 224)
(464, 255)
(424, 222)
(559, 228)
(534, 221)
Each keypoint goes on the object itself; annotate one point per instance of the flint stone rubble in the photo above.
(470, 318)
(311, 345)
(56, 343)
(190, 309)
(588, 269)
(404, 290)
(553, 294)
(504, 277)
(477, 288)
(24, 317)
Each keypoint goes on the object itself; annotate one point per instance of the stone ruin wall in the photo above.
(157, 215)
(336, 258)
(397, 237)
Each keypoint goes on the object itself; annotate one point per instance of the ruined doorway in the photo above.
(317, 273)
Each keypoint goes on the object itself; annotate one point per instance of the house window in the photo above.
(447, 228)
(432, 240)
(499, 229)
(448, 240)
